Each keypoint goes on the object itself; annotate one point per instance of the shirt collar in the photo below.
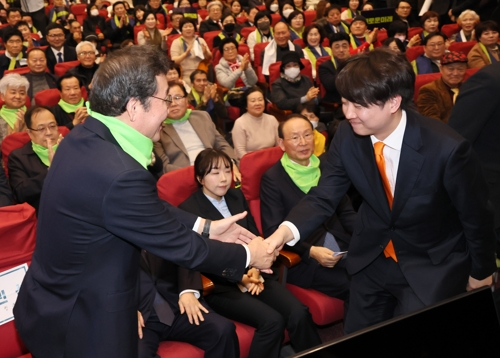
(56, 52)
(215, 202)
(395, 139)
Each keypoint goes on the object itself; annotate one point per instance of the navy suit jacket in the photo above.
(69, 55)
(98, 207)
(441, 224)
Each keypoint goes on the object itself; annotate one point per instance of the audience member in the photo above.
(436, 99)
(313, 39)
(404, 14)
(15, 54)
(395, 45)
(399, 30)
(467, 22)
(186, 133)
(485, 52)
(75, 35)
(29, 165)
(229, 31)
(263, 32)
(5, 192)
(430, 23)
(362, 40)
(339, 43)
(175, 19)
(39, 78)
(171, 309)
(310, 111)
(189, 50)
(299, 5)
(120, 27)
(173, 75)
(367, 7)
(57, 52)
(258, 300)
(279, 47)
(286, 7)
(13, 88)
(292, 89)
(70, 110)
(28, 40)
(352, 10)
(250, 18)
(151, 35)
(334, 24)
(86, 53)
(282, 187)
(205, 97)
(156, 7)
(213, 21)
(237, 10)
(13, 17)
(255, 129)
(296, 24)
(94, 24)
(434, 49)
(59, 12)
(272, 6)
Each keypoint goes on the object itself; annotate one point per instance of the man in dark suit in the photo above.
(170, 311)
(320, 268)
(29, 165)
(327, 71)
(13, 17)
(15, 54)
(213, 22)
(57, 52)
(476, 116)
(424, 231)
(99, 206)
(120, 27)
(70, 110)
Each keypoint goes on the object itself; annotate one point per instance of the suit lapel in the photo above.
(172, 133)
(199, 127)
(410, 165)
(206, 207)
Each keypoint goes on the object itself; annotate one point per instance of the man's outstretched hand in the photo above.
(226, 230)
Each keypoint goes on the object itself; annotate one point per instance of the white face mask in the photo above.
(402, 38)
(274, 7)
(292, 72)
(94, 12)
(314, 123)
(287, 12)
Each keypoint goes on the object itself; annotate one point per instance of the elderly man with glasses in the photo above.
(86, 53)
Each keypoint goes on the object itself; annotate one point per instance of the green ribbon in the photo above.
(43, 152)
(304, 177)
(180, 120)
(70, 108)
(13, 61)
(135, 144)
(10, 115)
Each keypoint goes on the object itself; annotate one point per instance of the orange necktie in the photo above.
(379, 158)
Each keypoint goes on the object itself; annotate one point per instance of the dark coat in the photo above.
(69, 55)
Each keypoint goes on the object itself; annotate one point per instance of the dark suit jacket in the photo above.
(5, 192)
(49, 77)
(198, 204)
(476, 116)
(26, 175)
(440, 224)
(207, 26)
(328, 73)
(69, 55)
(435, 100)
(117, 35)
(62, 118)
(5, 63)
(90, 27)
(99, 206)
(279, 195)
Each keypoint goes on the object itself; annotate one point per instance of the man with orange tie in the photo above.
(424, 231)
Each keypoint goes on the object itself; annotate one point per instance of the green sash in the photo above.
(10, 115)
(304, 177)
(183, 119)
(43, 152)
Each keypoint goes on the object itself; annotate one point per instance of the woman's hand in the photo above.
(189, 304)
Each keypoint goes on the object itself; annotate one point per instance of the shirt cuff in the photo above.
(303, 99)
(295, 232)
(196, 224)
(248, 255)
(195, 292)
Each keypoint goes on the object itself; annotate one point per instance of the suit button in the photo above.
(228, 272)
(380, 246)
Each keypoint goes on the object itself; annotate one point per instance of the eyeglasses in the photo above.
(88, 53)
(51, 127)
(232, 48)
(55, 36)
(438, 44)
(171, 99)
(296, 138)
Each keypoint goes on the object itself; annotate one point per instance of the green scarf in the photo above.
(42, 152)
(10, 115)
(70, 108)
(14, 60)
(304, 177)
(180, 120)
(485, 51)
(135, 144)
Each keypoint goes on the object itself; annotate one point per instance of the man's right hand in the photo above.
(80, 115)
(324, 256)
(260, 257)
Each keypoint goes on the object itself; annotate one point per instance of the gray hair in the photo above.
(127, 73)
(214, 3)
(83, 43)
(468, 12)
(13, 80)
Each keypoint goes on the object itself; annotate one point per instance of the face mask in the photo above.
(94, 12)
(287, 12)
(274, 7)
(229, 28)
(402, 38)
(292, 72)
(264, 26)
(314, 123)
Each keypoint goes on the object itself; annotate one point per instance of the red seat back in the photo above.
(309, 16)
(20, 70)
(241, 19)
(104, 13)
(252, 167)
(275, 18)
(421, 80)
(202, 13)
(319, 61)
(464, 47)
(171, 38)
(176, 186)
(412, 31)
(209, 38)
(78, 9)
(63, 67)
(257, 50)
(49, 97)
(247, 30)
(413, 52)
(274, 70)
(161, 19)
(450, 29)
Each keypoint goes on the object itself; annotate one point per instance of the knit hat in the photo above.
(359, 18)
(291, 56)
(452, 57)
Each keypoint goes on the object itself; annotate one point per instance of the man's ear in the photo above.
(395, 103)
(281, 144)
(132, 108)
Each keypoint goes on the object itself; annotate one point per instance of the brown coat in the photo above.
(477, 58)
(435, 100)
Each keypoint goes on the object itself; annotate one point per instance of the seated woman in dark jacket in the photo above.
(94, 24)
(261, 303)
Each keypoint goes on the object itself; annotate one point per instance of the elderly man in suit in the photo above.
(57, 52)
(436, 99)
(424, 231)
(186, 133)
(99, 206)
(322, 267)
(38, 77)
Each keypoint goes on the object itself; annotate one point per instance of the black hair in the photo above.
(251, 90)
(398, 42)
(309, 28)
(173, 84)
(428, 15)
(65, 77)
(14, 9)
(339, 36)
(226, 41)
(288, 118)
(433, 34)
(52, 26)
(262, 14)
(485, 26)
(10, 32)
(397, 27)
(332, 7)
(207, 160)
(293, 15)
(186, 20)
(197, 72)
(32, 111)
